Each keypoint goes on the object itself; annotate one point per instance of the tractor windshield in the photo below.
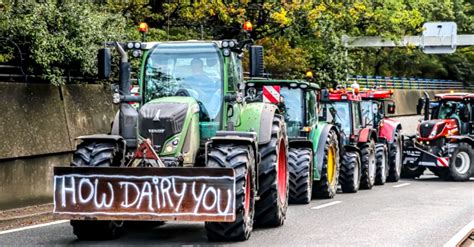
(450, 109)
(186, 69)
(370, 111)
(342, 115)
(293, 101)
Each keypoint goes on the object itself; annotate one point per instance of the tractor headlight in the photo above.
(225, 44)
(231, 44)
(226, 52)
(130, 45)
(137, 45)
(136, 53)
(171, 146)
(116, 98)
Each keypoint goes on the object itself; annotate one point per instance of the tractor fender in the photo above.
(365, 135)
(258, 117)
(388, 128)
(466, 139)
(238, 137)
(300, 142)
(319, 138)
(115, 124)
(351, 148)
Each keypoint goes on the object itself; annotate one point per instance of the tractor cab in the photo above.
(343, 108)
(296, 99)
(444, 140)
(375, 103)
(451, 114)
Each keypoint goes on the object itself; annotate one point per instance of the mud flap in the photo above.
(161, 194)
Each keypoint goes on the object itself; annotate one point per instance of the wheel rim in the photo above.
(331, 164)
(356, 174)
(247, 194)
(384, 163)
(461, 163)
(372, 165)
(281, 177)
(398, 156)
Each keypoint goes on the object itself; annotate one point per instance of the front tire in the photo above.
(241, 159)
(368, 160)
(349, 176)
(381, 156)
(300, 165)
(96, 154)
(461, 164)
(326, 187)
(270, 209)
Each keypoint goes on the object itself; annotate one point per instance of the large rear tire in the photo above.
(395, 153)
(349, 176)
(381, 155)
(241, 159)
(96, 154)
(300, 165)
(369, 165)
(326, 187)
(270, 209)
(461, 164)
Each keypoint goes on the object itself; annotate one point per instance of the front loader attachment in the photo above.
(161, 194)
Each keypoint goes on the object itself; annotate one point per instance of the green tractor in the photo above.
(195, 149)
(313, 145)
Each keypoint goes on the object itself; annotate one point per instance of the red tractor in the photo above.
(444, 142)
(375, 104)
(357, 139)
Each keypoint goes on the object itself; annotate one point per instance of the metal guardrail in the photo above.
(408, 83)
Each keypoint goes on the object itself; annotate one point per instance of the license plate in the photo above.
(188, 194)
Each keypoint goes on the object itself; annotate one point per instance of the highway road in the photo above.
(422, 212)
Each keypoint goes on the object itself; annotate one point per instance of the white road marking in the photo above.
(326, 205)
(33, 226)
(456, 239)
(401, 185)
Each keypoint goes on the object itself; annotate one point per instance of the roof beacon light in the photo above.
(309, 74)
(248, 26)
(143, 27)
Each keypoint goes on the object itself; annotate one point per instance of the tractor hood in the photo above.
(433, 129)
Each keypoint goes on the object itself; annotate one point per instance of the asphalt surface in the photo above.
(425, 212)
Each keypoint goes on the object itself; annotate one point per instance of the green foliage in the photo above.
(298, 36)
(60, 36)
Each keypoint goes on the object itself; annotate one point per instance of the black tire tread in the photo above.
(239, 158)
(365, 182)
(381, 173)
(96, 154)
(299, 167)
(393, 174)
(269, 211)
(346, 174)
(323, 188)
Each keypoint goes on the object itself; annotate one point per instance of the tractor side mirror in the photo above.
(256, 61)
(104, 63)
(391, 108)
(324, 95)
(419, 106)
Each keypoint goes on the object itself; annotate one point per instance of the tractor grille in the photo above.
(426, 127)
(161, 121)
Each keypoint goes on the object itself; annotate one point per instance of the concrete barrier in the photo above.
(407, 99)
(38, 124)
